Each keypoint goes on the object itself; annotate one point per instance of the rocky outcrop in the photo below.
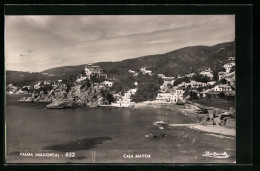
(26, 99)
(77, 96)
(56, 93)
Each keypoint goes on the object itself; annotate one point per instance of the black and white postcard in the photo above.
(120, 89)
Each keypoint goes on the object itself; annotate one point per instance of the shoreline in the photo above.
(211, 129)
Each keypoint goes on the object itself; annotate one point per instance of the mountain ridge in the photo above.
(192, 58)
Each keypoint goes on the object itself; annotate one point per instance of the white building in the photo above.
(168, 82)
(228, 66)
(82, 78)
(179, 91)
(129, 93)
(190, 75)
(231, 58)
(145, 71)
(125, 101)
(133, 72)
(195, 84)
(107, 83)
(166, 98)
(28, 87)
(37, 86)
(211, 83)
(91, 70)
(222, 88)
(161, 75)
(168, 78)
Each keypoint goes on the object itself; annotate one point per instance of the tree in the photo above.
(221, 94)
(233, 69)
(223, 81)
(208, 96)
(180, 80)
(193, 95)
(104, 93)
(148, 88)
(218, 68)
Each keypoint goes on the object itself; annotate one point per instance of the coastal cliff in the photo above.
(77, 96)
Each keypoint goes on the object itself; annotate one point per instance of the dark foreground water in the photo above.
(104, 136)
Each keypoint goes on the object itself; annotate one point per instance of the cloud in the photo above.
(73, 40)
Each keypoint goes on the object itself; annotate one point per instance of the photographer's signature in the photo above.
(216, 155)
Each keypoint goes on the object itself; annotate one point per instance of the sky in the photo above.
(37, 43)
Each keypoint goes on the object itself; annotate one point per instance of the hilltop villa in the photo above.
(91, 70)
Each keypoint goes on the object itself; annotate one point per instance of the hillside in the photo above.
(181, 61)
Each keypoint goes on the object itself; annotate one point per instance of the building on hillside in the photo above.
(190, 75)
(195, 84)
(168, 78)
(161, 75)
(145, 71)
(107, 83)
(129, 93)
(91, 70)
(133, 72)
(47, 82)
(222, 88)
(231, 58)
(126, 100)
(168, 82)
(211, 83)
(37, 86)
(166, 98)
(179, 91)
(228, 66)
(207, 73)
(82, 78)
(28, 87)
